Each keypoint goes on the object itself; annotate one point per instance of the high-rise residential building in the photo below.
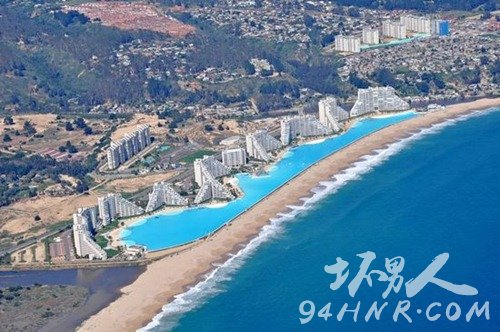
(348, 44)
(131, 144)
(112, 206)
(212, 189)
(208, 167)
(331, 114)
(393, 30)
(416, 23)
(440, 27)
(234, 157)
(91, 214)
(303, 126)
(379, 99)
(84, 244)
(259, 143)
(370, 36)
(164, 194)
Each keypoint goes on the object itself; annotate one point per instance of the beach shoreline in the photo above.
(173, 275)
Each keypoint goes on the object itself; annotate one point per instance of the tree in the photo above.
(70, 147)
(309, 21)
(249, 68)
(80, 123)
(29, 128)
(8, 121)
(87, 131)
(69, 126)
(158, 90)
(6, 138)
(37, 218)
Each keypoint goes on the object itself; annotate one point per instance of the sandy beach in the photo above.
(172, 275)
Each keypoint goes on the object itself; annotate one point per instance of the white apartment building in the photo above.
(208, 167)
(416, 23)
(394, 30)
(259, 143)
(370, 36)
(379, 99)
(131, 144)
(84, 244)
(348, 44)
(234, 157)
(303, 126)
(112, 206)
(164, 194)
(330, 114)
(212, 189)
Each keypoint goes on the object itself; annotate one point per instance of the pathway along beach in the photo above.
(170, 276)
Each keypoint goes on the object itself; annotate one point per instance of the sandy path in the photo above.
(170, 276)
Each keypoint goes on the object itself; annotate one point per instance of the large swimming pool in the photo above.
(169, 230)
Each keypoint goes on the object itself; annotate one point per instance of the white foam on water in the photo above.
(212, 283)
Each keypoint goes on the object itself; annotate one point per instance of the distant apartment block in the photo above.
(379, 99)
(208, 168)
(440, 27)
(416, 23)
(303, 126)
(370, 36)
(164, 194)
(348, 44)
(112, 206)
(393, 30)
(234, 157)
(259, 143)
(212, 189)
(121, 151)
(330, 114)
(82, 236)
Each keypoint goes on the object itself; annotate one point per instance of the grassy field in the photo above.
(198, 154)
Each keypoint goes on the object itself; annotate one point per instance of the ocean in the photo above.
(432, 196)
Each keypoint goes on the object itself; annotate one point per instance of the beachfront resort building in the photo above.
(164, 194)
(331, 114)
(414, 23)
(207, 168)
(393, 30)
(348, 44)
(212, 189)
(121, 151)
(234, 157)
(303, 126)
(370, 36)
(259, 143)
(112, 206)
(82, 234)
(379, 99)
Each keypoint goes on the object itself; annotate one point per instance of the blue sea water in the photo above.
(436, 192)
(174, 229)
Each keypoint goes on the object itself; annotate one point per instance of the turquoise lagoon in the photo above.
(169, 230)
